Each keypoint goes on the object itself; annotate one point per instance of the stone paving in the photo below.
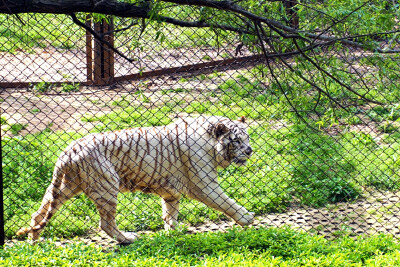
(376, 213)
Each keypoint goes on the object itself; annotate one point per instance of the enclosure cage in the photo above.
(324, 159)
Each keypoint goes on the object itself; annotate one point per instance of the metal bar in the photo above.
(98, 56)
(2, 222)
(108, 53)
(89, 51)
(291, 11)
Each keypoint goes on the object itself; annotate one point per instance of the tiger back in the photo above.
(180, 158)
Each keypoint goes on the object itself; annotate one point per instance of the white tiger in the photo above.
(180, 158)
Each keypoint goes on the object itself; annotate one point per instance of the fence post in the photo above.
(291, 11)
(2, 222)
(89, 51)
(100, 59)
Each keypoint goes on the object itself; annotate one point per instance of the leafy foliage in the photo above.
(248, 247)
(291, 164)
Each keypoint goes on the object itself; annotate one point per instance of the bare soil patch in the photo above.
(57, 65)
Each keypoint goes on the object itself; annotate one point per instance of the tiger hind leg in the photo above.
(106, 205)
(53, 199)
(103, 191)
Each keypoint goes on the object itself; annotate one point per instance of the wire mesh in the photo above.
(333, 172)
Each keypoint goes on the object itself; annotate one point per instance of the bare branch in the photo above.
(202, 24)
(256, 26)
(231, 6)
(133, 23)
(98, 37)
(331, 76)
(143, 10)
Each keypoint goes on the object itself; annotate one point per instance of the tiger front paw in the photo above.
(128, 238)
(246, 219)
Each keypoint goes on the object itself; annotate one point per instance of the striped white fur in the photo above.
(180, 158)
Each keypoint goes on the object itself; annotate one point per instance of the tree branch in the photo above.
(331, 76)
(202, 24)
(98, 37)
(110, 7)
(142, 9)
(256, 26)
(231, 6)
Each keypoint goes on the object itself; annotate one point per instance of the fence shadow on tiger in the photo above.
(180, 158)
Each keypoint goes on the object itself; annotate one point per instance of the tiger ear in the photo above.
(242, 119)
(217, 130)
(220, 130)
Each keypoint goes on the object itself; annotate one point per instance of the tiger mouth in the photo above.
(240, 161)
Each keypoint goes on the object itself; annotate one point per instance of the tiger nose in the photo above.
(248, 151)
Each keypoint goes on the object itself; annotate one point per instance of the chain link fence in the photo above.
(324, 159)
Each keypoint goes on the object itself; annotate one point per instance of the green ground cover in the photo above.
(291, 163)
(246, 247)
(58, 31)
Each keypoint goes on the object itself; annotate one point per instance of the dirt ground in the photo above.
(58, 112)
(55, 65)
(63, 111)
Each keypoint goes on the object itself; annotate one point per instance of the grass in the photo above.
(38, 31)
(291, 164)
(42, 87)
(246, 247)
(58, 31)
(73, 87)
(15, 128)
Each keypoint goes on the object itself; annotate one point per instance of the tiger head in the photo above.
(233, 144)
